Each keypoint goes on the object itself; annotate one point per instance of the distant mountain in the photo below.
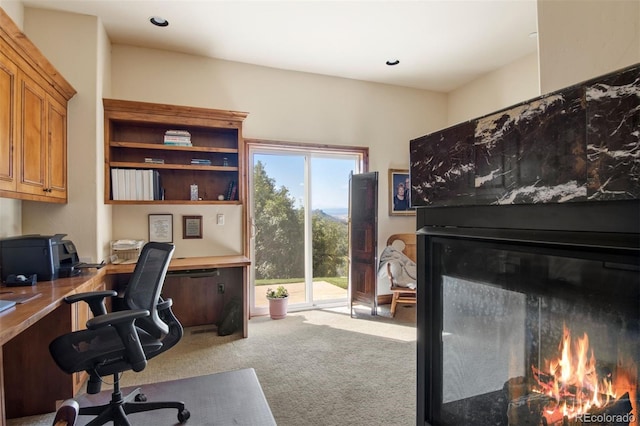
(340, 215)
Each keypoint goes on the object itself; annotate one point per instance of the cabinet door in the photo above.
(195, 300)
(80, 314)
(57, 149)
(33, 138)
(8, 137)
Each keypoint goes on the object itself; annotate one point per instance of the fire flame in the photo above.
(573, 385)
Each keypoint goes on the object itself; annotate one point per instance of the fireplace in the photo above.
(529, 324)
(528, 224)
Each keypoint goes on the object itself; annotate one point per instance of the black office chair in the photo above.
(124, 340)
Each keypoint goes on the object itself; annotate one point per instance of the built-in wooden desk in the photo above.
(188, 263)
(15, 320)
(193, 285)
(30, 382)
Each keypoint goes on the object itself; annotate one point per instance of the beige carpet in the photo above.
(319, 367)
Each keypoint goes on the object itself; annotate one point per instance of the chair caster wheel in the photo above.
(183, 416)
(141, 397)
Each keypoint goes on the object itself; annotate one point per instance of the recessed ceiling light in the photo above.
(392, 62)
(158, 21)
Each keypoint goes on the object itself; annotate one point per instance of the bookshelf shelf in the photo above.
(172, 166)
(162, 147)
(139, 165)
(178, 202)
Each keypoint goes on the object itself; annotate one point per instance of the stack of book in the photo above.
(177, 137)
(201, 161)
(154, 160)
(136, 184)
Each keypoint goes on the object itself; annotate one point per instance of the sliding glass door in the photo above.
(299, 211)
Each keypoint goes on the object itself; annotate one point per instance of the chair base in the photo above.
(117, 409)
(402, 295)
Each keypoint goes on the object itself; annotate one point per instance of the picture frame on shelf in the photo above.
(191, 227)
(400, 193)
(161, 228)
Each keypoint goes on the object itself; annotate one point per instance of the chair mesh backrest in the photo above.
(145, 285)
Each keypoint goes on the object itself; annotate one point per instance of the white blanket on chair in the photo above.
(402, 268)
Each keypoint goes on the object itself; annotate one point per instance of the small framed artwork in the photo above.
(191, 227)
(400, 193)
(161, 228)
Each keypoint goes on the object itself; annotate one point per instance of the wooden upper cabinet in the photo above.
(8, 121)
(33, 138)
(57, 155)
(33, 120)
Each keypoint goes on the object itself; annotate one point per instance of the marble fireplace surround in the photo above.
(578, 144)
(559, 171)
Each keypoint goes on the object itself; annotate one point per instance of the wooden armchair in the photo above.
(402, 294)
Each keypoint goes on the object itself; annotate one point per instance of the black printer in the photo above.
(50, 257)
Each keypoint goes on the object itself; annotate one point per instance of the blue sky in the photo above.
(329, 176)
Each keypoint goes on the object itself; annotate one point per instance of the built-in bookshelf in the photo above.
(154, 153)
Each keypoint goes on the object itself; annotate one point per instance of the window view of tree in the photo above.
(330, 242)
(279, 234)
(279, 242)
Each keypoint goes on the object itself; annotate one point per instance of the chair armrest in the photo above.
(95, 300)
(123, 322)
(165, 304)
(116, 318)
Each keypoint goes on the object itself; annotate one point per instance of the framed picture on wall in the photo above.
(400, 193)
(191, 227)
(161, 228)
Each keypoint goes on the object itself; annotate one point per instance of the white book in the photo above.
(122, 184)
(131, 184)
(146, 188)
(139, 185)
(177, 133)
(177, 139)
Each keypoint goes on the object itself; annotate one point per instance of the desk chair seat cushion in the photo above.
(101, 350)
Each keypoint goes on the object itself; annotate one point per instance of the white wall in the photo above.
(514, 83)
(579, 40)
(73, 43)
(103, 89)
(14, 9)
(282, 105)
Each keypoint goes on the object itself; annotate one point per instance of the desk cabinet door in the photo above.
(196, 300)
(80, 314)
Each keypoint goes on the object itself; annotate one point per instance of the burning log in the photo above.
(531, 409)
(617, 413)
(573, 390)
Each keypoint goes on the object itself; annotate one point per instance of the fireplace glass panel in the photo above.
(533, 334)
